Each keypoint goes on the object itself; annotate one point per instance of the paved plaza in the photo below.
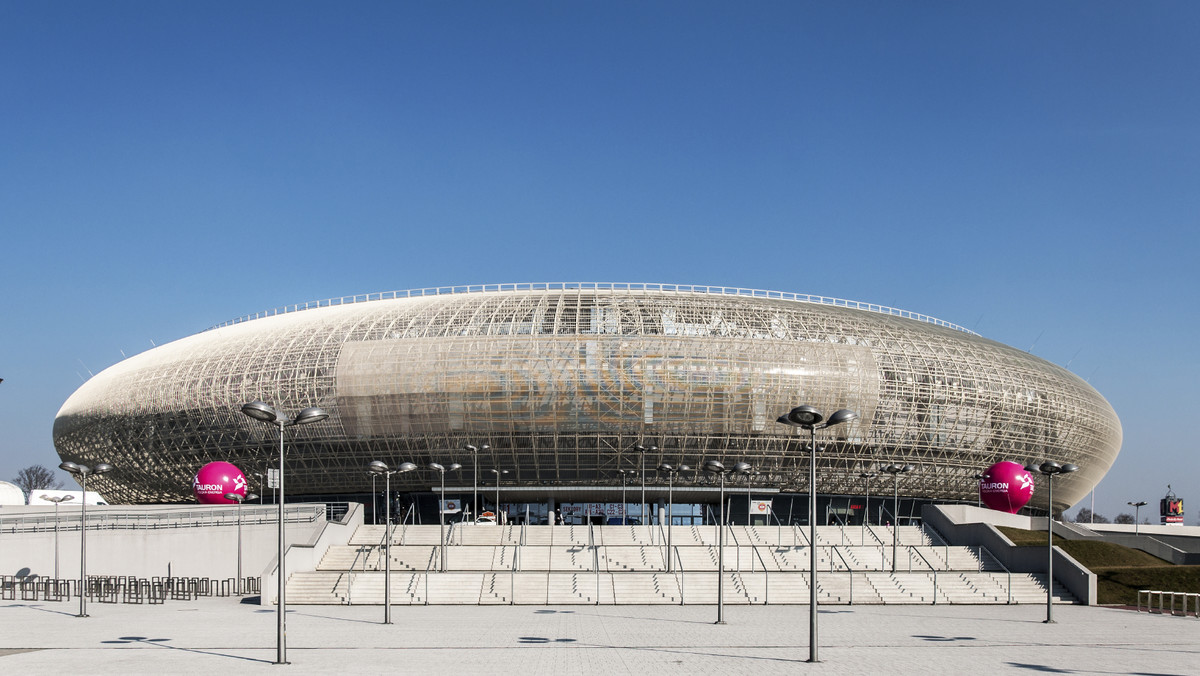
(221, 635)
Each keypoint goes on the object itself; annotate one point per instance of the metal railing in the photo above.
(1150, 594)
(187, 517)
(597, 286)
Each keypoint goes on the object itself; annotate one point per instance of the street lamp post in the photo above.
(866, 477)
(1050, 468)
(56, 500)
(239, 499)
(670, 472)
(442, 504)
(377, 467)
(642, 510)
(475, 474)
(809, 418)
(896, 470)
(714, 467)
(264, 413)
(498, 472)
(1137, 507)
(83, 472)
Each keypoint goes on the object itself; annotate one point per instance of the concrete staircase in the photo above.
(626, 565)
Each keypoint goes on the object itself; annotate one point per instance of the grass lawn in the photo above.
(1120, 571)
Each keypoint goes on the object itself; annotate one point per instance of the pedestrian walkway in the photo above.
(222, 635)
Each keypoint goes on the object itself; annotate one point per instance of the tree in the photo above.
(1124, 518)
(1085, 515)
(36, 477)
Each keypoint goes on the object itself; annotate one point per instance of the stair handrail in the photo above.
(797, 533)
(432, 555)
(1003, 567)
(935, 581)
(679, 570)
(766, 573)
(512, 576)
(595, 558)
(849, 571)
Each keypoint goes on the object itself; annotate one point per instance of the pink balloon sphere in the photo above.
(1006, 487)
(216, 479)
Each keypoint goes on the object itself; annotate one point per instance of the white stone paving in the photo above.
(222, 636)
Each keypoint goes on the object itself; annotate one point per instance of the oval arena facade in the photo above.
(562, 381)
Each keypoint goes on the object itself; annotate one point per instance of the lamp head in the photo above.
(666, 467)
(377, 467)
(840, 416)
(1068, 468)
(236, 497)
(683, 468)
(485, 447)
(406, 467)
(470, 448)
(101, 468)
(453, 466)
(714, 467)
(436, 467)
(805, 416)
(1050, 467)
(311, 414)
(252, 496)
(260, 411)
(69, 466)
(742, 468)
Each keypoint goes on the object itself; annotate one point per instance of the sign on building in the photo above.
(1170, 509)
(451, 506)
(760, 507)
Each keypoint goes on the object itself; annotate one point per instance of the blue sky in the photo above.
(1029, 170)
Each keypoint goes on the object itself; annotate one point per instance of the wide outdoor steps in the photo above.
(628, 565)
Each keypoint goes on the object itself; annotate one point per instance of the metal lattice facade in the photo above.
(563, 380)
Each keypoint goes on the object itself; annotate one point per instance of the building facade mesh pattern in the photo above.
(563, 383)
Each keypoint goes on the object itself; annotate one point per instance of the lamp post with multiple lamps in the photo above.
(475, 474)
(625, 474)
(377, 467)
(442, 504)
(1050, 468)
(1137, 507)
(866, 477)
(896, 469)
(498, 472)
(809, 418)
(56, 499)
(642, 450)
(670, 471)
(82, 472)
(265, 413)
(239, 499)
(714, 467)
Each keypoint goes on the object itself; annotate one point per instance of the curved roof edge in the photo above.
(597, 286)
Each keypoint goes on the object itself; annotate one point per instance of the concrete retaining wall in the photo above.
(191, 551)
(973, 526)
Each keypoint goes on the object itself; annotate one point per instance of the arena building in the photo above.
(563, 381)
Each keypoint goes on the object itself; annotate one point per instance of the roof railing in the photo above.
(631, 287)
